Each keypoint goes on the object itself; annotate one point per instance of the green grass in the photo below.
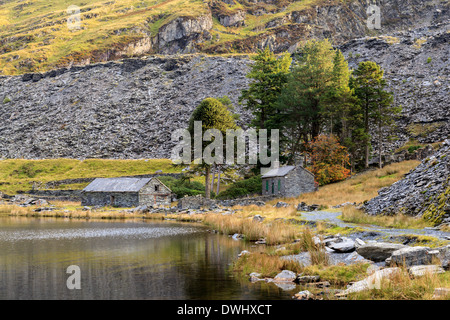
(36, 38)
(19, 175)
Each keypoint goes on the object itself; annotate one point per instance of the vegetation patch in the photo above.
(423, 129)
(19, 175)
(251, 186)
(436, 210)
(400, 221)
(404, 287)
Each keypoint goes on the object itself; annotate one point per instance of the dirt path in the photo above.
(332, 217)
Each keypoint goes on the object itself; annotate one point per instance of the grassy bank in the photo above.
(19, 175)
(399, 221)
(274, 232)
(404, 287)
(73, 210)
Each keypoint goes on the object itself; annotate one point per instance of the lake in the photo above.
(121, 260)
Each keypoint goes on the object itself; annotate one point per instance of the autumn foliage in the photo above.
(329, 159)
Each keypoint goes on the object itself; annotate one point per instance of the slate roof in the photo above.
(280, 172)
(117, 184)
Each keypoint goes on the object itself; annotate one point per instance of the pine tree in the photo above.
(303, 100)
(269, 74)
(375, 103)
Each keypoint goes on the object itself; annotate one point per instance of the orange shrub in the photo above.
(329, 159)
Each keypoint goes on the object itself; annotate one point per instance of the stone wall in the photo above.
(154, 193)
(299, 181)
(69, 195)
(197, 202)
(274, 186)
(119, 199)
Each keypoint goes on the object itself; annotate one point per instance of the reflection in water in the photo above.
(120, 260)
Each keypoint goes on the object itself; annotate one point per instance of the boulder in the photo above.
(354, 258)
(285, 276)
(281, 204)
(444, 256)
(303, 295)
(304, 207)
(348, 245)
(254, 277)
(258, 218)
(307, 279)
(371, 282)
(419, 271)
(440, 293)
(243, 253)
(378, 251)
(238, 236)
(359, 243)
(410, 256)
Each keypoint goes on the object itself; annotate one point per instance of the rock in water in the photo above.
(285, 276)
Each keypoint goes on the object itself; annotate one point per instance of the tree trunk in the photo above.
(213, 177)
(207, 185)
(218, 180)
(366, 127)
(379, 144)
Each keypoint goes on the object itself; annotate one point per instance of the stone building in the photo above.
(288, 181)
(126, 192)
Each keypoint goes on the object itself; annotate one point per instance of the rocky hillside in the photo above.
(417, 67)
(425, 191)
(42, 35)
(128, 108)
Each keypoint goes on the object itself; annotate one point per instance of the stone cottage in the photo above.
(288, 181)
(126, 192)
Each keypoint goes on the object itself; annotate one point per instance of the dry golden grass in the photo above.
(317, 252)
(404, 287)
(14, 210)
(399, 221)
(72, 210)
(265, 264)
(267, 211)
(274, 232)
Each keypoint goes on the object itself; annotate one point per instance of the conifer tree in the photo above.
(269, 74)
(377, 110)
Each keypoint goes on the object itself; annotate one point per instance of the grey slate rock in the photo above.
(378, 251)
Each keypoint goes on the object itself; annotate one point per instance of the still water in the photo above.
(121, 260)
